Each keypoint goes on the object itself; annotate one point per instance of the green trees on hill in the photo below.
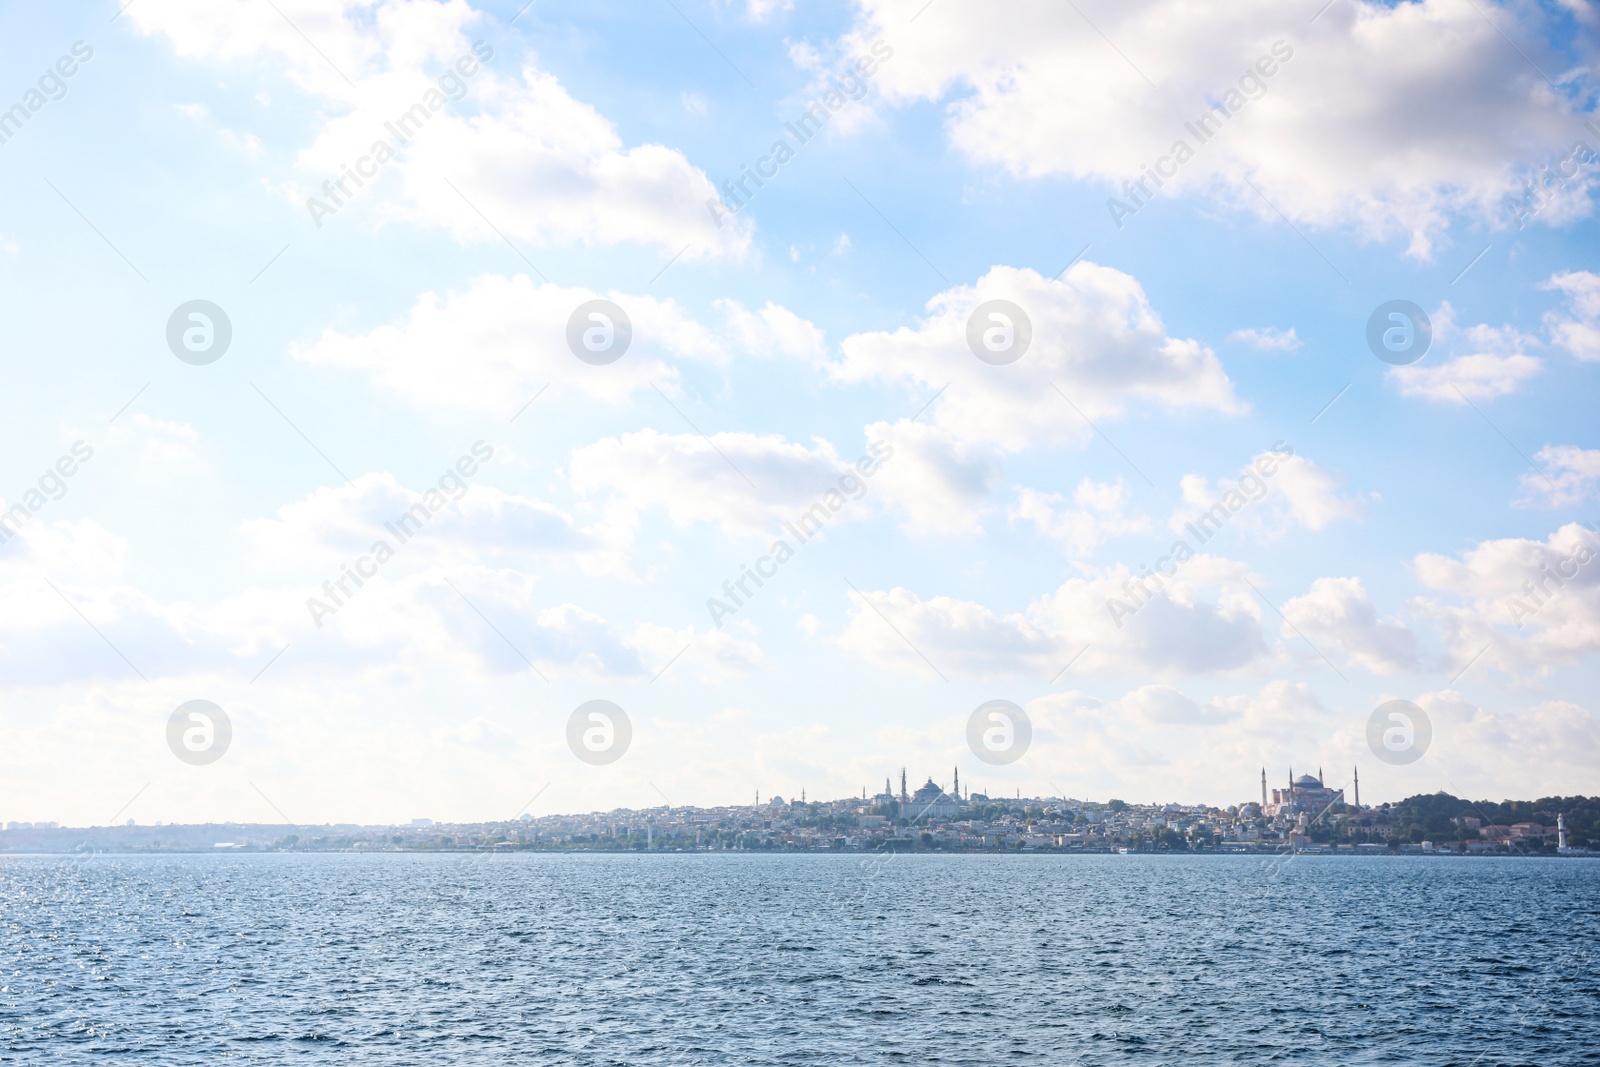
(1428, 816)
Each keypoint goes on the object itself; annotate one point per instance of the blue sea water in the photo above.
(798, 959)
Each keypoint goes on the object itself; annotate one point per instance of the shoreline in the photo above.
(1342, 853)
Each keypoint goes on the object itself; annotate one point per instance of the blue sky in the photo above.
(371, 352)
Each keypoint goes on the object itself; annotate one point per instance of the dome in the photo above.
(1305, 781)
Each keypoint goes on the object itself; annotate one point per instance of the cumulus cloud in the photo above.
(1577, 329)
(1095, 338)
(1203, 621)
(1535, 750)
(546, 167)
(1493, 362)
(158, 442)
(1117, 746)
(939, 482)
(1476, 377)
(77, 615)
(336, 524)
(496, 344)
(1568, 476)
(762, 10)
(1528, 606)
(1268, 339)
(748, 484)
(1297, 493)
(1161, 705)
(1444, 119)
(1336, 614)
(1098, 514)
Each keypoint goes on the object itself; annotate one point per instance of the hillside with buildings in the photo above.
(1304, 815)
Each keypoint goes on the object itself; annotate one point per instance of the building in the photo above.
(1305, 795)
(930, 801)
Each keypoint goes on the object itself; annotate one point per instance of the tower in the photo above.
(958, 784)
(905, 797)
(1561, 832)
(1319, 777)
(1357, 771)
(1263, 790)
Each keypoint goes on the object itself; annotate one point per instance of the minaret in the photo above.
(1358, 787)
(802, 794)
(905, 798)
(1319, 778)
(1263, 790)
(958, 783)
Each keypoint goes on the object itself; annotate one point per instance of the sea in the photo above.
(787, 959)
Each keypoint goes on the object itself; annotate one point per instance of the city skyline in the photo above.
(1272, 797)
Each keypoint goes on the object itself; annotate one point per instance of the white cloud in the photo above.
(551, 170)
(1312, 494)
(1268, 339)
(1443, 118)
(547, 168)
(1537, 750)
(940, 483)
(1578, 329)
(1336, 614)
(1146, 745)
(1160, 705)
(748, 484)
(336, 524)
(772, 331)
(1095, 337)
(1568, 476)
(1296, 493)
(762, 10)
(1478, 377)
(1528, 606)
(1493, 364)
(1098, 514)
(1203, 621)
(493, 346)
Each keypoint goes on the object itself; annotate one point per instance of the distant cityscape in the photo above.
(1304, 815)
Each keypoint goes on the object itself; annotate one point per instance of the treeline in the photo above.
(1430, 815)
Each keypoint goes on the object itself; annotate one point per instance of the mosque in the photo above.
(1306, 794)
(930, 801)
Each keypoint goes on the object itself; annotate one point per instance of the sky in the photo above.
(398, 215)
